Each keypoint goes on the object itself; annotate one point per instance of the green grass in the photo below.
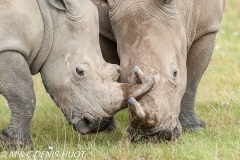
(219, 140)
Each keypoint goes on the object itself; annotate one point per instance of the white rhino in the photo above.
(171, 40)
(59, 39)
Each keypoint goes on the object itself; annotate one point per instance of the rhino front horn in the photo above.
(120, 93)
(135, 108)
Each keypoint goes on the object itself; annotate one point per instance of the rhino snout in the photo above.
(89, 125)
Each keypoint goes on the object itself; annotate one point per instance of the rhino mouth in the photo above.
(155, 135)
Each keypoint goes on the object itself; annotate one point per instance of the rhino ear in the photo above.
(59, 4)
(72, 6)
(168, 1)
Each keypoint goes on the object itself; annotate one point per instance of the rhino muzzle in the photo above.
(144, 127)
(88, 125)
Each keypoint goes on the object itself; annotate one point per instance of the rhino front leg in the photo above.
(16, 86)
(111, 126)
(197, 61)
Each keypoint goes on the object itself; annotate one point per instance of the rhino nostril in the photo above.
(88, 125)
(85, 125)
(86, 121)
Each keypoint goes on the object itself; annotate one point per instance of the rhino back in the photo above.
(21, 27)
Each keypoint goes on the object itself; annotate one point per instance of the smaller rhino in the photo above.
(59, 39)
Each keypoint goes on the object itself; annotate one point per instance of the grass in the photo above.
(217, 103)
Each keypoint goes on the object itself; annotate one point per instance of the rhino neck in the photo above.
(105, 27)
(47, 40)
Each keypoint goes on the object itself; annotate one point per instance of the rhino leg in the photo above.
(16, 86)
(111, 126)
(197, 61)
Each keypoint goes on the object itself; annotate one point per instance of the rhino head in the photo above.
(79, 81)
(151, 34)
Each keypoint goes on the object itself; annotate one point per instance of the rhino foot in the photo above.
(12, 142)
(112, 126)
(192, 125)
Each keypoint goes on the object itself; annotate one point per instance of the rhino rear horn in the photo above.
(139, 75)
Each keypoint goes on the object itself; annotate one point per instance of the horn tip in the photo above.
(135, 108)
(152, 81)
(132, 100)
(136, 68)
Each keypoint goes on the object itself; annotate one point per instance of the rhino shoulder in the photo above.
(21, 28)
(208, 16)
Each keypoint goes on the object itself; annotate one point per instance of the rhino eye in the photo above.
(80, 71)
(175, 74)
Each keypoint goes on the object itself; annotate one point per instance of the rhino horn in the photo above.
(120, 99)
(139, 75)
(135, 108)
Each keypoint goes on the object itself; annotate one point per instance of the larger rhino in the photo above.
(171, 40)
(59, 39)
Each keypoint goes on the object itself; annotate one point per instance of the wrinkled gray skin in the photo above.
(170, 40)
(59, 39)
